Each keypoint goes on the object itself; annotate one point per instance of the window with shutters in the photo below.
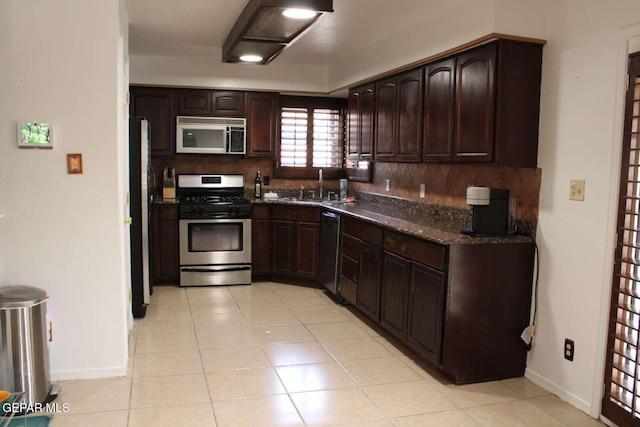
(311, 137)
(621, 400)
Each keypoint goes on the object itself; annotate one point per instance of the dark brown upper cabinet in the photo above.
(482, 105)
(158, 106)
(228, 103)
(204, 102)
(439, 110)
(194, 102)
(398, 117)
(475, 105)
(262, 123)
(361, 130)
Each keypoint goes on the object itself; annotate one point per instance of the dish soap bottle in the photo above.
(258, 188)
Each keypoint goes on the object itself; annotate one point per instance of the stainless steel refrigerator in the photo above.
(140, 196)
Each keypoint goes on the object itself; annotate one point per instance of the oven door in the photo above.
(215, 252)
(215, 242)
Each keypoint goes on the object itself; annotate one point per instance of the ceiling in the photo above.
(168, 27)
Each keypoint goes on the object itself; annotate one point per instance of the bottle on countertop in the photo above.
(258, 188)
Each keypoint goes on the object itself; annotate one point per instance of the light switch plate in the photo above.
(576, 190)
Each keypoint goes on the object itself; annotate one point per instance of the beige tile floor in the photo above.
(272, 354)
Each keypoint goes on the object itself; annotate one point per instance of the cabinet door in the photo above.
(262, 120)
(194, 102)
(228, 103)
(307, 255)
(158, 106)
(165, 244)
(260, 246)
(426, 308)
(283, 241)
(385, 119)
(409, 135)
(439, 107)
(369, 280)
(475, 105)
(354, 132)
(260, 240)
(367, 112)
(361, 131)
(395, 292)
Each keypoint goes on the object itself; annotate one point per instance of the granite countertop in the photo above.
(436, 229)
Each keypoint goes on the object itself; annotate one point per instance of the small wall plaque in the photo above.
(74, 163)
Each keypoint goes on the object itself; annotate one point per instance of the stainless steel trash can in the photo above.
(24, 354)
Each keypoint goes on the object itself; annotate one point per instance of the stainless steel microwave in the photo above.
(210, 135)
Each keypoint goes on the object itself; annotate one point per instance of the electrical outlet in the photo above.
(422, 191)
(569, 349)
(576, 190)
(386, 184)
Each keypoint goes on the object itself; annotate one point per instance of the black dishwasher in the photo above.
(330, 253)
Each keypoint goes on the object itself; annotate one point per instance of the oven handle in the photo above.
(201, 269)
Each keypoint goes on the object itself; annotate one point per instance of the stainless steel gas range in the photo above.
(215, 230)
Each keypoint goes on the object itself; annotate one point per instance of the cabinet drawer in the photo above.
(296, 214)
(429, 254)
(363, 231)
(348, 290)
(261, 212)
(350, 246)
(349, 268)
(168, 212)
(396, 243)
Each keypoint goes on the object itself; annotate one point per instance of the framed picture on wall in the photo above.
(35, 135)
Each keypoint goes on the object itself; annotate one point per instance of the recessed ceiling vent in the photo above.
(266, 27)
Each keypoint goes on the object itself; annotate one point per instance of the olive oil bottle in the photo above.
(258, 187)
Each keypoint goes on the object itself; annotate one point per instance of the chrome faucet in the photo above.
(320, 182)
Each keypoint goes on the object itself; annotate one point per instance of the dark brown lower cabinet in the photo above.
(165, 244)
(395, 293)
(295, 242)
(283, 235)
(307, 250)
(369, 280)
(487, 308)
(261, 241)
(425, 314)
(461, 307)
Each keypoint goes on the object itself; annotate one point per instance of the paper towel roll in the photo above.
(478, 196)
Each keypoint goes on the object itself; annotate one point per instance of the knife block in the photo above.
(168, 189)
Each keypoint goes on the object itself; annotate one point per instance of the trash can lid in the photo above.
(21, 296)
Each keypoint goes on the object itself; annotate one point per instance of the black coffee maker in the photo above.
(489, 211)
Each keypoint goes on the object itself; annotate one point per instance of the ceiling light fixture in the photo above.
(263, 29)
(251, 58)
(299, 13)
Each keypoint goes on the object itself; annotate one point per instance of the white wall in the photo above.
(61, 232)
(579, 139)
(201, 67)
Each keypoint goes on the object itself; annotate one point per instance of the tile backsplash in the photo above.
(445, 184)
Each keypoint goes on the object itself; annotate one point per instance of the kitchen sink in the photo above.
(310, 200)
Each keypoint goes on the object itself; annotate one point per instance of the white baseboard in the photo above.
(89, 374)
(560, 392)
